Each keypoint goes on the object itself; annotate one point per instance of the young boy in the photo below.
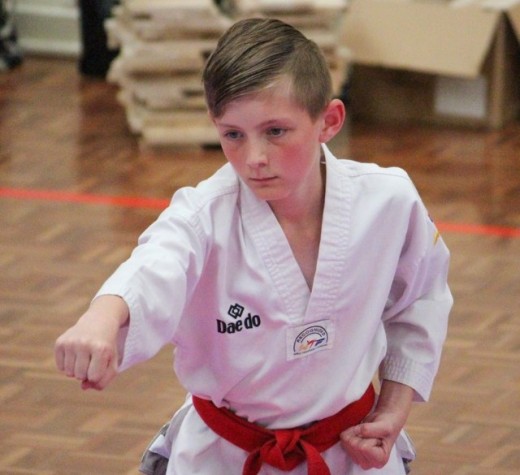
(285, 281)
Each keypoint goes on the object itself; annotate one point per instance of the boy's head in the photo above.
(254, 53)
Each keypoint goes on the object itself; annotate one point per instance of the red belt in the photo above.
(284, 448)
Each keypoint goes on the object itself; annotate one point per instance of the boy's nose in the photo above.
(256, 155)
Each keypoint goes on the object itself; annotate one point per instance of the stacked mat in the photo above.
(163, 46)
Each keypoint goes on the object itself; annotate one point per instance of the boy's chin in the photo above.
(266, 194)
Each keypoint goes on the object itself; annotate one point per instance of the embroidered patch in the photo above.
(303, 340)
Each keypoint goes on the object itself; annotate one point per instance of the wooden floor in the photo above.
(65, 150)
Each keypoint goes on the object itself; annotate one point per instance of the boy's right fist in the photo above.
(88, 350)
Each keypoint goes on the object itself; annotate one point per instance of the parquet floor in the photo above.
(65, 151)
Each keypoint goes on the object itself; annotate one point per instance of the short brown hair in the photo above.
(255, 52)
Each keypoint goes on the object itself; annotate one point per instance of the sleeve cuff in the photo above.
(408, 372)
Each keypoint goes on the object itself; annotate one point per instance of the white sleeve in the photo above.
(416, 315)
(156, 282)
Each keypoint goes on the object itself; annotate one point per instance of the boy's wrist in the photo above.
(395, 397)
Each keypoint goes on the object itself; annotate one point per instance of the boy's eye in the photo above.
(233, 135)
(276, 131)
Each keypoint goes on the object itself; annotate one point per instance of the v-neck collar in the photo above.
(301, 303)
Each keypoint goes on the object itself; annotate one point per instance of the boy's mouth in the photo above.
(262, 180)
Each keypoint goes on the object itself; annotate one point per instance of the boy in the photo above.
(285, 281)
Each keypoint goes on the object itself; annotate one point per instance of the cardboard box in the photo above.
(435, 61)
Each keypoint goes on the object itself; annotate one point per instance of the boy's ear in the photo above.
(332, 119)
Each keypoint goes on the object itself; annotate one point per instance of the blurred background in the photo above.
(102, 118)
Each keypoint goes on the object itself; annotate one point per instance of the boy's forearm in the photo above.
(109, 307)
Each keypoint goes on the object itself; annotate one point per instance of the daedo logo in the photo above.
(236, 311)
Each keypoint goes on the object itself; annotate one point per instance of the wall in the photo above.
(48, 26)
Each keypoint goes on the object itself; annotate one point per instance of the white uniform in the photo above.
(215, 276)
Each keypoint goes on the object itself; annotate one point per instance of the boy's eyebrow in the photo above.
(262, 125)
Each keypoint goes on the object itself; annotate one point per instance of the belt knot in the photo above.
(285, 451)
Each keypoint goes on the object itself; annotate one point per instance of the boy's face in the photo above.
(273, 144)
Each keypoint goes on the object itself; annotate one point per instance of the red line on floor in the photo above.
(158, 203)
(479, 229)
(70, 197)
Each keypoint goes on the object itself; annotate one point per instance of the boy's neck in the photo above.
(304, 210)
